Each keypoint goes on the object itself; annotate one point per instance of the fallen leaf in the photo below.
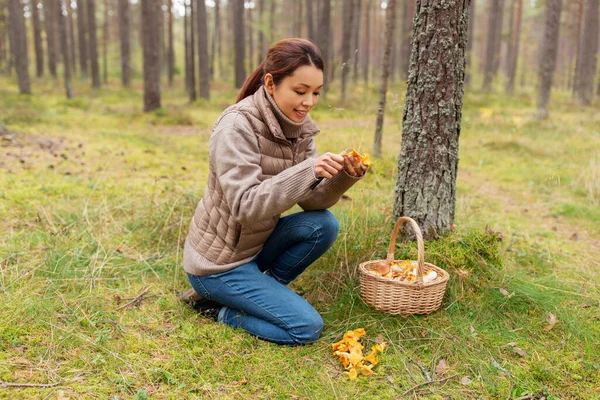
(505, 293)
(379, 339)
(390, 379)
(441, 368)
(520, 351)
(465, 380)
(552, 320)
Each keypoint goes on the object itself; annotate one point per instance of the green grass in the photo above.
(95, 202)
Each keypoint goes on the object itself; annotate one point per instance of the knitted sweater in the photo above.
(261, 164)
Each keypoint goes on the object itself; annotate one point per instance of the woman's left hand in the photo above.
(353, 167)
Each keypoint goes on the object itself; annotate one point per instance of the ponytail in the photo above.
(253, 82)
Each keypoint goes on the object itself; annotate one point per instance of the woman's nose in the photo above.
(308, 101)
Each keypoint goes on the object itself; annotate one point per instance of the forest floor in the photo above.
(95, 202)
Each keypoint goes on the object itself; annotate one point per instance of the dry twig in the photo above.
(428, 383)
(137, 300)
(36, 385)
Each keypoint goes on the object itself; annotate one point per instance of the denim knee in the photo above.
(329, 224)
(310, 329)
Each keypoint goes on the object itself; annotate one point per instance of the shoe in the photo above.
(208, 308)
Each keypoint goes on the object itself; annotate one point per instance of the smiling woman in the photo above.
(239, 254)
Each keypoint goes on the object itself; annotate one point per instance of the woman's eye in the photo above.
(317, 94)
(300, 93)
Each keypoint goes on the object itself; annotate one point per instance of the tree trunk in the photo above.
(18, 44)
(190, 78)
(548, 55)
(37, 39)
(171, 55)
(514, 40)
(204, 73)
(587, 53)
(51, 42)
(323, 38)
(470, 43)
(493, 39)
(82, 39)
(578, 41)
(150, 48)
(105, 44)
(356, 39)
(91, 14)
(312, 35)
(390, 27)
(124, 23)
(498, 45)
(272, 20)
(408, 12)
(71, 31)
(428, 161)
(219, 37)
(239, 41)
(3, 36)
(162, 48)
(348, 25)
(262, 42)
(192, 51)
(250, 39)
(62, 26)
(366, 52)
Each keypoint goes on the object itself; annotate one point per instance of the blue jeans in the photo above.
(255, 296)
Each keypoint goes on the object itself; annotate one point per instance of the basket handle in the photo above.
(420, 245)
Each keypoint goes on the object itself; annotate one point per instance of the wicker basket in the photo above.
(400, 297)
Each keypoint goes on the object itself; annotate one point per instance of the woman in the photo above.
(239, 254)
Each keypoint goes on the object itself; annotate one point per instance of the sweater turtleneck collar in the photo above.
(290, 129)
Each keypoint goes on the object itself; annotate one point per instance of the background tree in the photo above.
(470, 40)
(262, 39)
(18, 44)
(82, 38)
(190, 78)
(324, 31)
(171, 50)
(93, 42)
(150, 53)
(408, 12)
(390, 27)
(513, 45)
(588, 53)
(105, 40)
(349, 8)
(71, 33)
(64, 46)
(51, 35)
(428, 161)
(239, 41)
(204, 73)
(310, 18)
(217, 37)
(124, 36)
(548, 55)
(492, 53)
(366, 40)
(37, 39)
(356, 39)
(4, 57)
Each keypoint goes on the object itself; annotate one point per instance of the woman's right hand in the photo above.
(328, 165)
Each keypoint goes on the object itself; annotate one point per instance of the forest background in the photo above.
(101, 167)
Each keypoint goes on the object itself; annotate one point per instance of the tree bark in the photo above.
(587, 53)
(408, 12)
(218, 37)
(51, 34)
(93, 43)
(124, 34)
(356, 39)
(498, 45)
(493, 40)
(390, 27)
(192, 51)
(190, 78)
(37, 39)
(272, 20)
(150, 50)
(239, 41)
(470, 43)
(249, 16)
(578, 41)
(82, 39)
(262, 42)
(3, 36)
(18, 44)
(366, 50)
(71, 40)
(204, 73)
(428, 161)
(62, 26)
(105, 40)
(323, 38)
(171, 50)
(548, 55)
(312, 34)
(513, 54)
(348, 25)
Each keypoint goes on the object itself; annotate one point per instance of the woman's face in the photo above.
(298, 93)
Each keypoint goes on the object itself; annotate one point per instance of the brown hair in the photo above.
(283, 58)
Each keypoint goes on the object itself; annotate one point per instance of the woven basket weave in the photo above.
(401, 297)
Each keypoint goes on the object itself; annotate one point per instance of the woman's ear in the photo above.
(269, 83)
